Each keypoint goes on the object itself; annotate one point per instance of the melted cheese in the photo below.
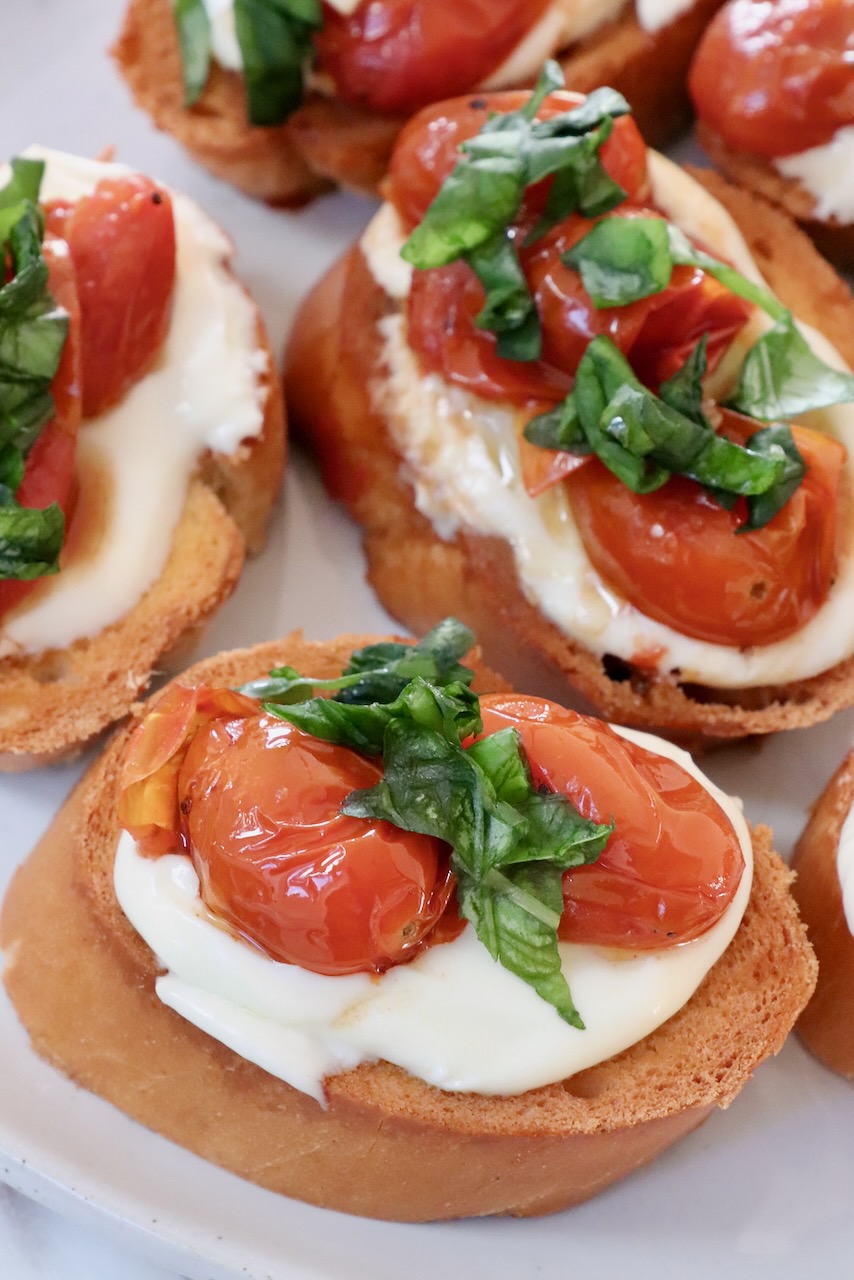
(452, 1016)
(845, 867)
(827, 173)
(202, 393)
(461, 456)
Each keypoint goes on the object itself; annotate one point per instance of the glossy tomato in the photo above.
(678, 557)
(777, 77)
(674, 861)
(428, 149)
(122, 241)
(394, 56)
(50, 475)
(260, 802)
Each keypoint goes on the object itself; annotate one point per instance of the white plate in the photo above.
(764, 1189)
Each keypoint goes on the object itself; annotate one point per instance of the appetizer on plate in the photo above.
(824, 861)
(142, 448)
(398, 949)
(553, 386)
(281, 100)
(773, 87)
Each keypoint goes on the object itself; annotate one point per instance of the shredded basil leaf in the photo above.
(684, 391)
(782, 377)
(276, 41)
(194, 38)
(30, 541)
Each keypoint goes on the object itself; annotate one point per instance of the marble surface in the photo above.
(733, 1197)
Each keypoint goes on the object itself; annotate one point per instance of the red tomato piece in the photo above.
(50, 474)
(777, 77)
(674, 861)
(395, 56)
(122, 241)
(428, 149)
(678, 557)
(278, 861)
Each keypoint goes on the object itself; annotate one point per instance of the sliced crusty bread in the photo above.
(835, 239)
(420, 576)
(387, 1145)
(327, 141)
(827, 1024)
(54, 702)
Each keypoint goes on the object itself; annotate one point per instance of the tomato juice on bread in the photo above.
(320, 95)
(148, 452)
(517, 1005)
(517, 315)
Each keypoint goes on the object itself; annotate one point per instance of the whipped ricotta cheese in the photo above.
(461, 455)
(452, 1016)
(201, 393)
(845, 867)
(827, 173)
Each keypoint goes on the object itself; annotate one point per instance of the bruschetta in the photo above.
(145, 448)
(824, 862)
(401, 949)
(317, 96)
(773, 88)
(514, 382)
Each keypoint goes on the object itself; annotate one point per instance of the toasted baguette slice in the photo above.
(827, 1024)
(420, 576)
(54, 702)
(835, 239)
(326, 141)
(386, 1145)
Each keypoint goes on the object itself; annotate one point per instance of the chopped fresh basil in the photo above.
(276, 41)
(775, 439)
(782, 376)
(472, 213)
(32, 335)
(510, 842)
(622, 260)
(194, 38)
(643, 439)
(684, 391)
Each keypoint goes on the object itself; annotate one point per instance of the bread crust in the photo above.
(420, 576)
(827, 1024)
(55, 702)
(835, 239)
(326, 141)
(387, 1145)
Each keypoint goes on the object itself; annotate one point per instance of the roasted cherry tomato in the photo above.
(255, 802)
(122, 241)
(394, 56)
(674, 861)
(678, 556)
(776, 77)
(50, 474)
(428, 149)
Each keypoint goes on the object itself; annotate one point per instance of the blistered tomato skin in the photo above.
(679, 557)
(260, 806)
(395, 56)
(122, 242)
(776, 78)
(674, 861)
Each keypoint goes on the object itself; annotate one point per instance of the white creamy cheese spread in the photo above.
(827, 173)
(201, 393)
(845, 867)
(452, 1016)
(461, 455)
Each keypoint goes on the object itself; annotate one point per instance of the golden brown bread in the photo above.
(387, 1145)
(420, 577)
(835, 239)
(54, 702)
(327, 141)
(827, 1024)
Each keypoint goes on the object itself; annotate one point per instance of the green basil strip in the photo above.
(510, 843)
(509, 310)
(194, 38)
(762, 507)
(275, 38)
(30, 541)
(782, 377)
(622, 260)
(684, 391)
